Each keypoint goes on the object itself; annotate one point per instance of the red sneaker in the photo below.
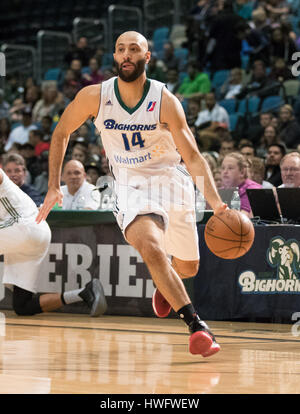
(202, 341)
(160, 306)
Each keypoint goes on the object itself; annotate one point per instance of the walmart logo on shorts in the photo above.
(132, 161)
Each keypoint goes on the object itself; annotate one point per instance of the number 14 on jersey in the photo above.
(136, 139)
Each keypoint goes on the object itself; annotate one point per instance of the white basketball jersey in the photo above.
(134, 138)
(15, 205)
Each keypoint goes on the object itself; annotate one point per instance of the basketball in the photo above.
(229, 234)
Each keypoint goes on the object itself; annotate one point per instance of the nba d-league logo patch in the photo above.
(151, 106)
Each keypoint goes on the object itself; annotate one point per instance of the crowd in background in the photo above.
(252, 42)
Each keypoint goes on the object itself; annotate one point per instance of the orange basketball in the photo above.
(229, 234)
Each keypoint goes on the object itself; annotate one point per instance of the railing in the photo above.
(20, 59)
(86, 27)
(57, 51)
(135, 24)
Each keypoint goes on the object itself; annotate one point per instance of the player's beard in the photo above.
(139, 68)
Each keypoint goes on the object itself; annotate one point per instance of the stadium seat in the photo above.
(290, 90)
(178, 35)
(271, 103)
(233, 119)
(249, 105)
(160, 37)
(219, 78)
(229, 105)
(53, 74)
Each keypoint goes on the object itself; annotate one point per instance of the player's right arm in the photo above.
(84, 106)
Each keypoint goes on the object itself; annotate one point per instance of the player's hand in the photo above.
(220, 208)
(53, 196)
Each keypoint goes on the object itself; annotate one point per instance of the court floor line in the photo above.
(149, 332)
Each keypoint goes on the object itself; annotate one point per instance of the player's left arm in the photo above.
(173, 115)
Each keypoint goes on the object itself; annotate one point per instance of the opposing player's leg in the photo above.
(146, 236)
(26, 303)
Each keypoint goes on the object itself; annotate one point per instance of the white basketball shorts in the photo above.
(24, 246)
(170, 196)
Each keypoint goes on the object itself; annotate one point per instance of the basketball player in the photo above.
(142, 125)
(24, 244)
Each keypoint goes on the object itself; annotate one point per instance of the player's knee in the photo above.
(187, 269)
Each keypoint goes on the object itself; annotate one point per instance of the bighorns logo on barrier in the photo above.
(284, 256)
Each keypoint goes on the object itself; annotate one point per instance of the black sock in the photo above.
(187, 313)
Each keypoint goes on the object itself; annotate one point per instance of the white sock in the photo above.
(72, 296)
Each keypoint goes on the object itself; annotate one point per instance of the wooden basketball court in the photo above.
(59, 353)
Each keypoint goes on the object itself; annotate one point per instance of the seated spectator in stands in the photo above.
(288, 127)
(78, 193)
(95, 75)
(247, 150)
(276, 8)
(213, 112)
(256, 172)
(218, 177)
(272, 165)
(5, 129)
(15, 168)
(46, 127)
(155, 69)
(232, 86)
(36, 139)
(290, 170)
(4, 106)
(31, 161)
(280, 72)
(32, 96)
(281, 45)
(80, 51)
(172, 80)
(227, 146)
(79, 153)
(71, 85)
(259, 84)
(84, 132)
(269, 137)
(40, 183)
(260, 25)
(193, 109)
(195, 85)
(169, 59)
(234, 174)
(20, 134)
(52, 101)
(256, 129)
(93, 172)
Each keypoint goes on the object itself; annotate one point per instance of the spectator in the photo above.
(234, 174)
(71, 85)
(32, 96)
(280, 72)
(233, 85)
(93, 172)
(15, 168)
(281, 45)
(95, 75)
(213, 112)
(256, 130)
(4, 106)
(195, 85)
(268, 138)
(20, 134)
(52, 101)
(218, 177)
(169, 59)
(81, 51)
(227, 146)
(46, 127)
(5, 129)
(290, 170)
(289, 129)
(225, 44)
(193, 109)
(78, 193)
(155, 70)
(256, 172)
(40, 183)
(276, 8)
(79, 153)
(274, 155)
(172, 80)
(259, 84)
(36, 139)
(247, 150)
